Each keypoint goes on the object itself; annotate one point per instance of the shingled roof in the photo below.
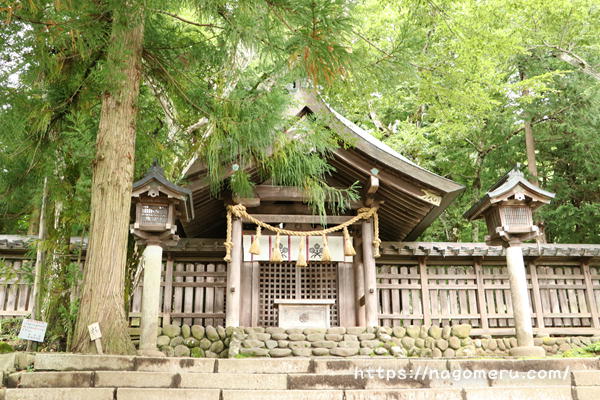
(412, 196)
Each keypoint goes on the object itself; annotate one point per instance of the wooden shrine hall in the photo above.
(315, 279)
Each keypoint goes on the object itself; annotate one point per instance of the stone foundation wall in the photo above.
(410, 341)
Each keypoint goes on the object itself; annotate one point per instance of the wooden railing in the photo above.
(416, 286)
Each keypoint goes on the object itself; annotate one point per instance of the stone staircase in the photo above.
(50, 376)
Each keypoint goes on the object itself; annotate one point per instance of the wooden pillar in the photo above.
(370, 275)
(359, 283)
(234, 271)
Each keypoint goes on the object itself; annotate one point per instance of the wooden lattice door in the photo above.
(318, 280)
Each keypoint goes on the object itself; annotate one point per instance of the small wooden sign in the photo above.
(94, 331)
(95, 335)
(33, 330)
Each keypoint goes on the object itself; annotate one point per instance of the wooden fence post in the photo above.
(481, 295)
(537, 298)
(425, 300)
(168, 292)
(589, 293)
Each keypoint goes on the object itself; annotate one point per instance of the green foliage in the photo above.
(591, 350)
(6, 348)
(449, 84)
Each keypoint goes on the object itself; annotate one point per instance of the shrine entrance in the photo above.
(284, 281)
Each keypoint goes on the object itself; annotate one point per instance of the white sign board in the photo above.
(95, 333)
(33, 330)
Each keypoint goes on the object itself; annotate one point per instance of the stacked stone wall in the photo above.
(410, 341)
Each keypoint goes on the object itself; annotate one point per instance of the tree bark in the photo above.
(102, 298)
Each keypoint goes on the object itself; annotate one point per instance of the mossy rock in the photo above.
(6, 348)
(197, 352)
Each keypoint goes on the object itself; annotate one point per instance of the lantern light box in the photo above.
(157, 204)
(508, 208)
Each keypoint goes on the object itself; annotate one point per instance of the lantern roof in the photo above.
(156, 175)
(511, 184)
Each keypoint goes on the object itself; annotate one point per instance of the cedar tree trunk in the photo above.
(102, 298)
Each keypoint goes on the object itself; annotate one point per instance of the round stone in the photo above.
(191, 342)
(302, 352)
(461, 331)
(163, 340)
(446, 330)
(205, 344)
(217, 346)
(176, 341)
(449, 353)
(454, 342)
(435, 332)
(380, 351)
(197, 352)
(397, 351)
(314, 337)
(171, 330)
(181, 351)
(280, 352)
(398, 331)
(296, 337)
(212, 334)
(185, 331)
(441, 344)
(413, 331)
(221, 332)
(346, 351)
(328, 344)
(408, 342)
(320, 351)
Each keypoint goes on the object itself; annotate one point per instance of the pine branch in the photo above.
(187, 21)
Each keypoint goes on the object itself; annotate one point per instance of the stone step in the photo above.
(283, 395)
(586, 378)
(170, 394)
(265, 365)
(59, 394)
(81, 362)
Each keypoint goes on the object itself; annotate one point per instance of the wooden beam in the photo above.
(302, 219)
(280, 193)
(373, 184)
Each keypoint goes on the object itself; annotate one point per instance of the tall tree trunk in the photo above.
(530, 147)
(102, 298)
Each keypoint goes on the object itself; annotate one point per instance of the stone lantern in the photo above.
(508, 212)
(156, 206)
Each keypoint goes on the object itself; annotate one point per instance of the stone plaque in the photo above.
(304, 313)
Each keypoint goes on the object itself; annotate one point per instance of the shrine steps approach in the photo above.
(50, 376)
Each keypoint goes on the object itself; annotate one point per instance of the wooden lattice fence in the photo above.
(192, 292)
(565, 296)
